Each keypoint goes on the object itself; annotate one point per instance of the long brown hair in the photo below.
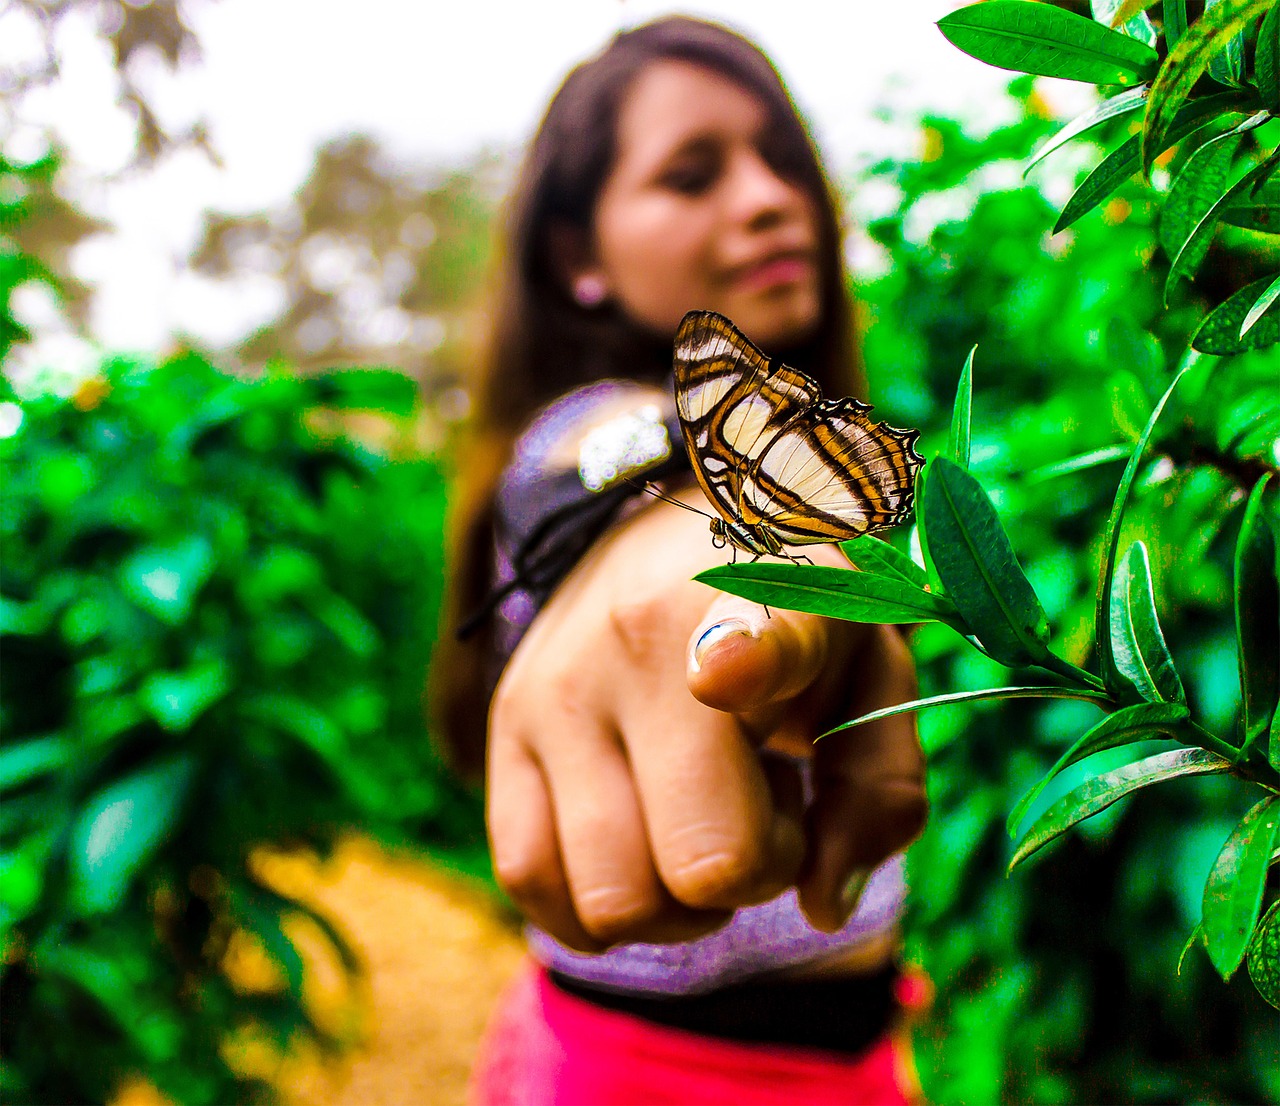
(543, 344)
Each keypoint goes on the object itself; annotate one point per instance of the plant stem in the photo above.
(1078, 676)
(1213, 744)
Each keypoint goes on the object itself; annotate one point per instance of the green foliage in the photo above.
(1039, 38)
(1234, 43)
(217, 609)
(17, 183)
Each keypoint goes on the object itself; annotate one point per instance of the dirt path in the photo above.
(437, 954)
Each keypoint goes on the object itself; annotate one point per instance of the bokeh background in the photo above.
(245, 254)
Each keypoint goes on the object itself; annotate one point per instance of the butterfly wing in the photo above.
(831, 474)
(732, 402)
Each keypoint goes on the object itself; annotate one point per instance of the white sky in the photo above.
(435, 80)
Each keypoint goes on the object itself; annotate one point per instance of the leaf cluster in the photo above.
(216, 609)
(1209, 94)
(972, 582)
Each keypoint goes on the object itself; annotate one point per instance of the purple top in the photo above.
(575, 447)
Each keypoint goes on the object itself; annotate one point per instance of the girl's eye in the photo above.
(782, 157)
(690, 176)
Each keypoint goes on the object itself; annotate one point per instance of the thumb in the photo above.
(751, 662)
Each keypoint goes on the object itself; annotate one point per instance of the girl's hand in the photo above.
(627, 796)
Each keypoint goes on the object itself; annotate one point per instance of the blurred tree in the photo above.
(139, 33)
(38, 220)
(49, 228)
(380, 263)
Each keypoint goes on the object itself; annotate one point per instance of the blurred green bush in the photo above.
(217, 610)
(1058, 983)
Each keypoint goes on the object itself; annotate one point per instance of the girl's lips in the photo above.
(785, 269)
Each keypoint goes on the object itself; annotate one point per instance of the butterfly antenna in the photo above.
(653, 491)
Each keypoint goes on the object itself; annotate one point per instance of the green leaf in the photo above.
(1264, 956)
(1257, 603)
(1268, 297)
(1138, 647)
(1112, 108)
(1139, 722)
(1258, 211)
(1196, 937)
(1227, 66)
(383, 390)
(1122, 11)
(177, 699)
(834, 592)
(1233, 891)
(959, 444)
(101, 977)
(1135, 24)
(1100, 792)
(931, 569)
(870, 554)
(299, 718)
(1126, 159)
(1206, 37)
(261, 915)
(283, 904)
(24, 619)
(1175, 21)
(28, 760)
(1102, 617)
(119, 829)
(1038, 38)
(164, 579)
(979, 569)
(1107, 455)
(1047, 691)
(1266, 60)
(1220, 332)
(1196, 197)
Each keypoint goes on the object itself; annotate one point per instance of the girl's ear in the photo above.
(573, 260)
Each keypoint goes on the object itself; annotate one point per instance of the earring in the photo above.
(590, 290)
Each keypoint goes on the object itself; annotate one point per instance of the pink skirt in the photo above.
(547, 1048)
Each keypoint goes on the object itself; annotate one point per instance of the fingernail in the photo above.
(717, 633)
(851, 894)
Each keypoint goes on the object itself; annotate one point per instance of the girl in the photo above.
(712, 915)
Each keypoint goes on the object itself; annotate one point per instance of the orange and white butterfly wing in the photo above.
(732, 401)
(832, 474)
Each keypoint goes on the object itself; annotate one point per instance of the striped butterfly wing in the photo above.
(732, 403)
(832, 474)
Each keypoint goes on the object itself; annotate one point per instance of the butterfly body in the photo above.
(781, 464)
(754, 539)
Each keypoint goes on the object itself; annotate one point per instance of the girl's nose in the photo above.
(760, 195)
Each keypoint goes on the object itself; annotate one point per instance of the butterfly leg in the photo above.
(765, 605)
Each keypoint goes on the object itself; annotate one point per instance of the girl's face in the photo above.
(695, 213)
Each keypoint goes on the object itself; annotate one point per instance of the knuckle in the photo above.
(612, 914)
(717, 875)
(642, 624)
(527, 881)
(568, 689)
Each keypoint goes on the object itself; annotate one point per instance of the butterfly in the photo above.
(781, 464)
